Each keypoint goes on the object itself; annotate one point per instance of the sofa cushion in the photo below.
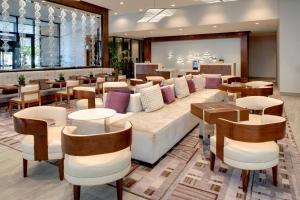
(168, 82)
(191, 85)
(139, 87)
(199, 81)
(152, 98)
(135, 103)
(213, 83)
(168, 94)
(181, 87)
(117, 101)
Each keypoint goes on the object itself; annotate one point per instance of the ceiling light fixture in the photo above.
(121, 2)
(173, 5)
(156, 14)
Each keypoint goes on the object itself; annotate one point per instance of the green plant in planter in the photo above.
(61, 76)
(21, 79)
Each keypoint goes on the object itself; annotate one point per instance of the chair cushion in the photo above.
(248, 152)
(168, 95)
(117, 101)
(181, 87)
(83, 103)
(54, 141)
(97, 165)
(152, 98)
(212, 83)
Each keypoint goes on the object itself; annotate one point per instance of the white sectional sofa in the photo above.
(155, 133)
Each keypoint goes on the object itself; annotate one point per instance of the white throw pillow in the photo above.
(135, 103)
(139, 87)
(152, 98)
(181, 87)
(168, 81)
(199, 81)
(189, 76)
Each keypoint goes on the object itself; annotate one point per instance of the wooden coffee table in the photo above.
(210, 112)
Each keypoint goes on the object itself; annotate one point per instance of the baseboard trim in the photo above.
(290, 94)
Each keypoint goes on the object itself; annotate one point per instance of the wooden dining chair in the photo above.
(29, 95)
(87, 98)
(97, 159)
(248, 145)
(67, 92)
(41, 127)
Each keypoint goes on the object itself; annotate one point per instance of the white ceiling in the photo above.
(133, 6)
(262, 27)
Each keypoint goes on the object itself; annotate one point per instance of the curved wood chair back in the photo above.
(263, 91)
(89, 95)
(103, 143)
(235, 79)
(247, 133)
(39, 130)
(107, 89)
(274, 110)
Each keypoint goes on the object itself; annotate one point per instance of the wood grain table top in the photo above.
(214, 111)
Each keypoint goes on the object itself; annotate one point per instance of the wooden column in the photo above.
(104, 38)
(245, 57)
(147, 49)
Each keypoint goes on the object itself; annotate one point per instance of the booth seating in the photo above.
(67, 91)
(29, 94)
(41, 127)
(249, 145)
(97, 159)
(87, 98)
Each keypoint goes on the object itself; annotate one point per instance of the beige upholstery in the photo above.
(83, 103)
(114, 85)
(69, 83)
(122, 78)
(257, 102)
(55, 116)
(96, 169)
(257, 84)
(155, 79)
(251, 156)
(28, 97)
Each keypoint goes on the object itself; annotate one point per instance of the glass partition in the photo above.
(35, 34)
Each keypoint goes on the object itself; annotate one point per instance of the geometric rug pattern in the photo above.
(184, 174)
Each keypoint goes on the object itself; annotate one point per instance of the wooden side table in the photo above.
(210, 112)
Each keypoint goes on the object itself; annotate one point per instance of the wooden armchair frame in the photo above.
(97, 144)
(22, 102)
(68, 95)
(89, 95)
(39, 130)
(246, 133)
(262, 91)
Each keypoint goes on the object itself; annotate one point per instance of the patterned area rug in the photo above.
(184, 174)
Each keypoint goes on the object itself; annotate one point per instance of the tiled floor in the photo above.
(43, 182)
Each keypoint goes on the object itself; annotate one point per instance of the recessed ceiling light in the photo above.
(173, 5)
(180, 29)
(116, 13)
(185, 34)
(214, 26)
(140, 10)
(256, 23)
(125, 34)
(121, 2)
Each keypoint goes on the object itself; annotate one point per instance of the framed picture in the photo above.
(195, 64)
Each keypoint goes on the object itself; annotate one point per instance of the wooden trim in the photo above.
(87, 145)
(263, 91)
(247, 133)
(274, 110)
(89, 95)
(244, 36)
(107, 89)
(39, 130)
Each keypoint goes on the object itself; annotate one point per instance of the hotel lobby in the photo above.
(149, 100)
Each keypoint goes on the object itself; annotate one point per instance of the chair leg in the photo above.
(68, 101)
(61, 169)
(10, 109)
(120, 189)
(245, 174)
(274, 172)
(56, 99)
(25, 163)
(212, 161)
(76, 192)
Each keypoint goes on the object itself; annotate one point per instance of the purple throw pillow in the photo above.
(168, 94)
(118, 101)
(191, 84)
(213, 83)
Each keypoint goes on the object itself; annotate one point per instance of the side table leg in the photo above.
(106, 125)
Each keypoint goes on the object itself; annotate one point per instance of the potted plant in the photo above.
(91, 75)
(21, 80)
(61, 76)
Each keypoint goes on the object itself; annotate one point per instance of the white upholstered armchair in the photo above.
(41, 127)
